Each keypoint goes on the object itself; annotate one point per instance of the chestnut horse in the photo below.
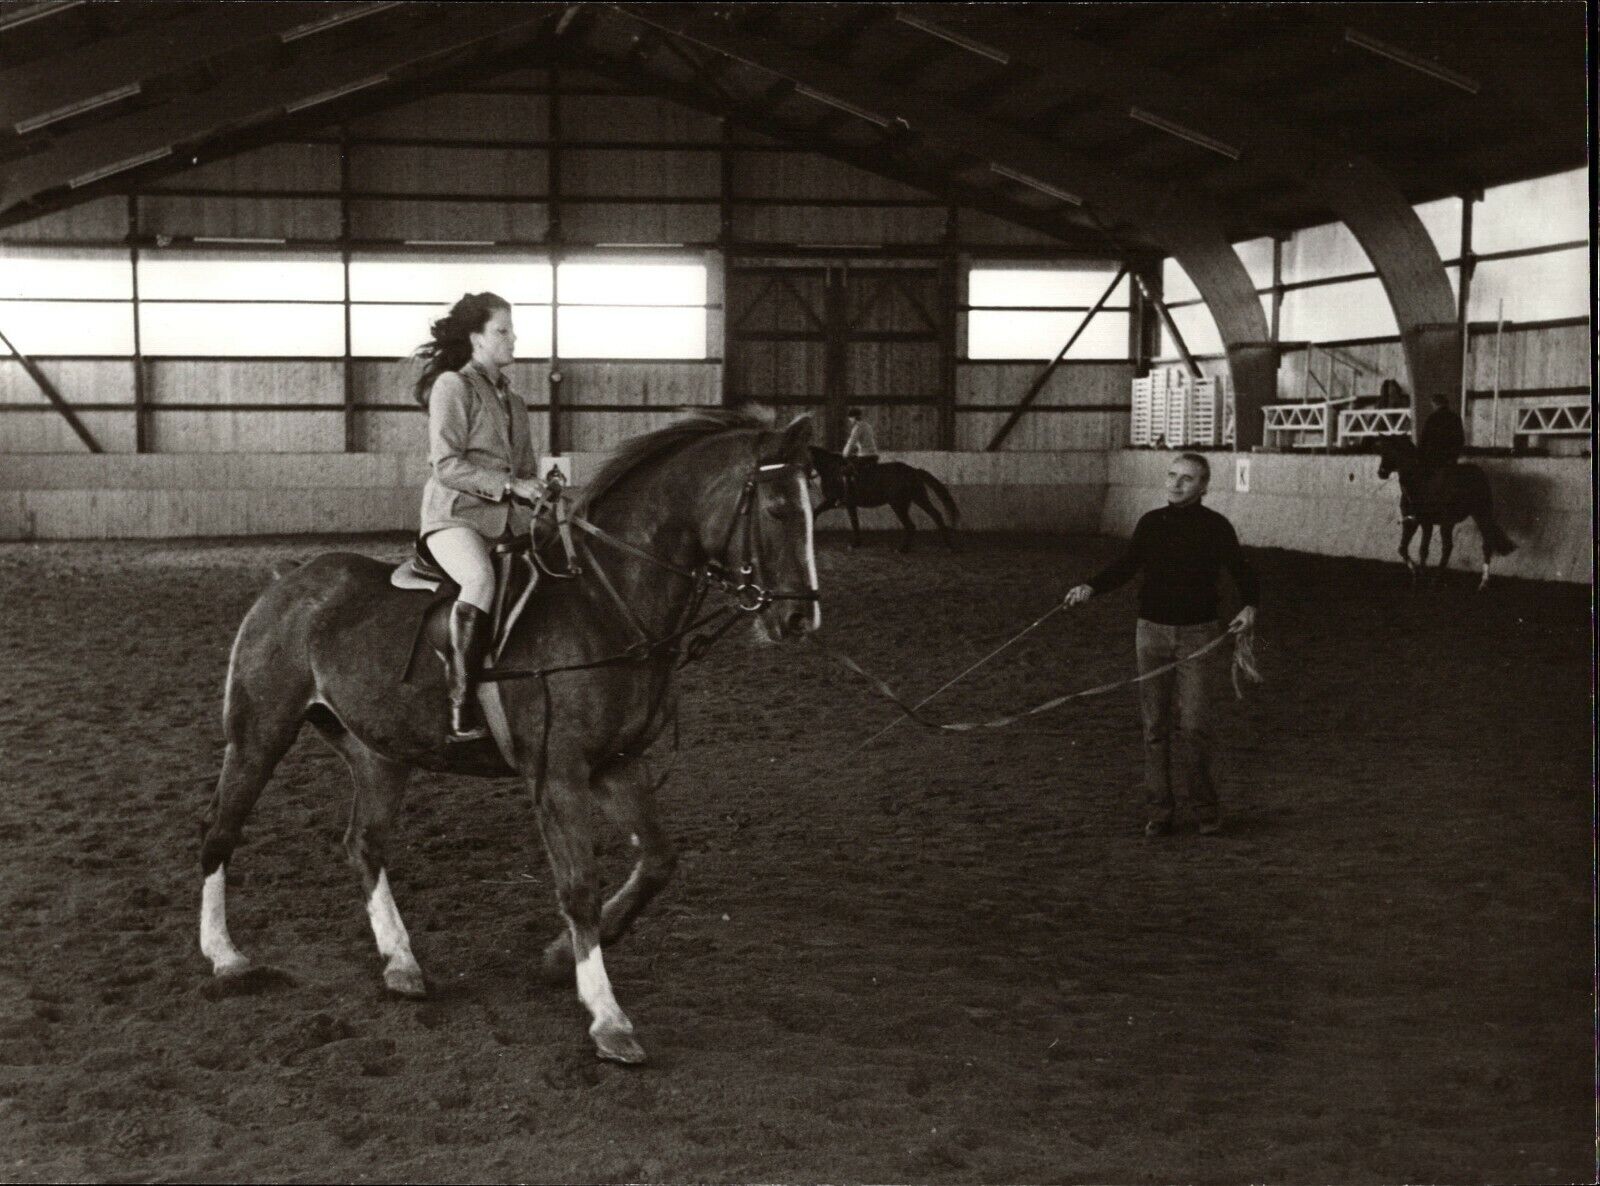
(670, 515)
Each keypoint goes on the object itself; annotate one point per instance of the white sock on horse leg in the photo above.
(215, 943)
(394, 944)
(594, 989)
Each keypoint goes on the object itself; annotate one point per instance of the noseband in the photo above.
(747, 591)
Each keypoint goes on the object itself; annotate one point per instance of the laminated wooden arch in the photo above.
(1358, 192)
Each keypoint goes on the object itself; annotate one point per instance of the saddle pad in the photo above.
(407, 576)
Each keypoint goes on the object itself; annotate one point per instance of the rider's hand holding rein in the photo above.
(1077, 595)
(1244, 621)
(524, 489)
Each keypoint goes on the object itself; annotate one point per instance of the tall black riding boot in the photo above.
(469, 639)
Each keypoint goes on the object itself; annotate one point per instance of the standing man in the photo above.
(1181, 548)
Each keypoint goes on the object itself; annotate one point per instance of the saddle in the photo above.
(521, 564)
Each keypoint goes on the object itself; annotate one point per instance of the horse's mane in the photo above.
(647, 447)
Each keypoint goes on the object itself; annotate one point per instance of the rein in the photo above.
(750, 596)
(1243, 668)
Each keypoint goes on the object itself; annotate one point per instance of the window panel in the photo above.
(1256, 255)
(633, 284)
(68, 327)
(995, 334)
(1175, 283)
(1199, 332)
(1333, 312)
(239, 276)
(1443, 221)
(414, 278)
(222, 331)
(394, 331)
(1043, 286)
(1533, 213)
(1319, 252)
(632, 333)
(1534, 287)
(35, 273)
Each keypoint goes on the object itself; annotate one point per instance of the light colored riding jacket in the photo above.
(862, 443)
(476, 444)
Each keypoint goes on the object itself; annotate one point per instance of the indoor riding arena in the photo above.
(917, 920)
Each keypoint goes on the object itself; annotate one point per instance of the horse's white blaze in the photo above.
(394, 944)
(811, 551)
(215, 944)
(594, 990)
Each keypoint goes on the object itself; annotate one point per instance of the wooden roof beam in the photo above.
(1173, 218)
(155, 140)
(1176, 217)
(756, 117)
(147, 52)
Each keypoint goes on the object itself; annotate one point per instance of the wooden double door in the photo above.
(805, 336)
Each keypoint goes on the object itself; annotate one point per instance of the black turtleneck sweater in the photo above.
(1180, 550)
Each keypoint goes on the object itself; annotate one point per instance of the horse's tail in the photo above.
(1495, 541)
(938, 487)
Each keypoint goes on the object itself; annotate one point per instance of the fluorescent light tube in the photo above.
(872, 117)
(1395, 54)
(1043, 187)
(28, 15)
(336, 93)
(966, 43)
(333, 22)
(34, 123)
(1183, 133)
(122, 166)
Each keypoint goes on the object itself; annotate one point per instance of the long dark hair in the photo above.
(450, 346)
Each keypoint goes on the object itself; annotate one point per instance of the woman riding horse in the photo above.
(481, 451)
(715, 501)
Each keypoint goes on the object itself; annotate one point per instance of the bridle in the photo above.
(744, 581)
(743, 584)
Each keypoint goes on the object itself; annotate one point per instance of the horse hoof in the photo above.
(557, 967)
(247, 981)
(231, 967)
(406, 982)
(618, 1045)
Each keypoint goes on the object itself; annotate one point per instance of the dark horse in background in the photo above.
(892, 483)
(670, 515)
(1434, 495)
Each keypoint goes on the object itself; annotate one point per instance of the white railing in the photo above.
(1557, 417)
(1360, 424)
(1310, 425)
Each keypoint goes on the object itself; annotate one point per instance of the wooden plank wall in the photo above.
(588, 170)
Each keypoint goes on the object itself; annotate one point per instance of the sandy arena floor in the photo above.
(950, 959)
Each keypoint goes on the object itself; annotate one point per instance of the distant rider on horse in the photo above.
(481, 451)
(860, 451)
(1439, 446)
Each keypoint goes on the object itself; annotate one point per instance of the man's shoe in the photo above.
(1158, 827)
(1210, 827)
